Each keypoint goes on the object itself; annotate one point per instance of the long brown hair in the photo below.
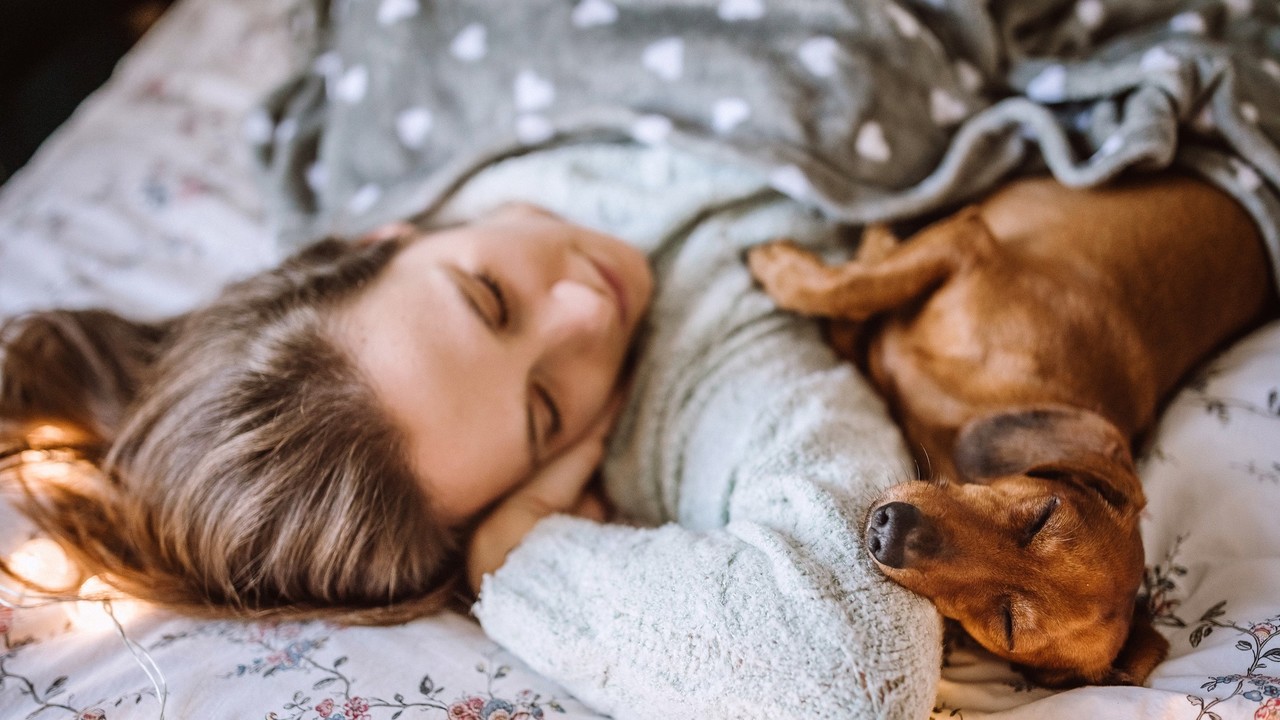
(229, 462)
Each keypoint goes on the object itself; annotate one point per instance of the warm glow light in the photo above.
(50, 466)
(46, 435)
(91, 616)
(41, 561)
(50, 472)
(31, 457)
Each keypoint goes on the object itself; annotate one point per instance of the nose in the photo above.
(898, 532)
(576, 313)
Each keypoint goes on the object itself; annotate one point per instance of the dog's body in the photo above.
(1023, 344)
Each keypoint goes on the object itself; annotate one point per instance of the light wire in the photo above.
(140, 655)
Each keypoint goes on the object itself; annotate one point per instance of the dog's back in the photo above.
(1102, 299)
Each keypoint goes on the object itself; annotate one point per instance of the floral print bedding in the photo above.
(145, 202)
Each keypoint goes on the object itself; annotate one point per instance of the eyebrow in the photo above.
(461, 280)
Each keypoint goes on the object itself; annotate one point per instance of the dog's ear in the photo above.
(1142, 652)
(1055, 442)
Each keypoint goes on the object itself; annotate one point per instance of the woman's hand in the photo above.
(559, 487)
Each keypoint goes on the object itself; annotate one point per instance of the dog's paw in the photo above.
(788, 274)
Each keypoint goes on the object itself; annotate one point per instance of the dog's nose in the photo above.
(896, 527)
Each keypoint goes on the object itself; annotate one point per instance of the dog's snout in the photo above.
(896, 528)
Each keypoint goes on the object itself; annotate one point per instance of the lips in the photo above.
(615, 286)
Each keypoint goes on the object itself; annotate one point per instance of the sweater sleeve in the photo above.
(777, 612)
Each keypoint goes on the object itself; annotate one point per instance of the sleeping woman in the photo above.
(357, 433)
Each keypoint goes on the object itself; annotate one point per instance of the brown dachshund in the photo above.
(1023, 344)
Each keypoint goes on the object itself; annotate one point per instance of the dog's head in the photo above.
(1038, 554)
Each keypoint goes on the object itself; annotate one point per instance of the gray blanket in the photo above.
(869, 110)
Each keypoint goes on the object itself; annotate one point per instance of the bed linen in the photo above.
(145, 203)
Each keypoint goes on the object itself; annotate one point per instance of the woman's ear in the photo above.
(398, 230)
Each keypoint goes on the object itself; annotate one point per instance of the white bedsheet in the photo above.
(144, 202)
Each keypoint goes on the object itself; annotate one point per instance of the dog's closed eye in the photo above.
(1038, 522)
(1007, 615)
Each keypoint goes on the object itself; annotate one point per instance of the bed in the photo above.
(145, 202)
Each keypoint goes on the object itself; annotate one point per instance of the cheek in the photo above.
(462, 485)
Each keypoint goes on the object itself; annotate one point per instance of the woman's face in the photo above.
(495, 345)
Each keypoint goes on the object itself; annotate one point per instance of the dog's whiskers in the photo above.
(926, 474)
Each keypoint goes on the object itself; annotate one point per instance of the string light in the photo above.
(92, 613)
(42, 561)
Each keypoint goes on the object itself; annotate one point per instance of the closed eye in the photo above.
(554, 424)
(482, 292)
(1008, 625)
(1042, 518)
(499, 298)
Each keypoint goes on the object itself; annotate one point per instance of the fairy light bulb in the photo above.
(91, 615)
(41, 561)
(42, 435)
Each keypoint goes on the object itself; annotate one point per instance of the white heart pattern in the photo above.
(257, 127)
(317, 176)
(391, 12)
(1271, 67)
(665, 58)
(970, 76)
(532, 129)
(651, 129)
(791, 181)
(945, 108)
(413, 126)
(328, 64)
(1050, 85)
(818, 55)
(1157, 59)
(533, 92)
(871, 143)
(735, 10)
(286, 130)
(1239, 8)
(1203, 122)
(908, 25)
(1090, 13)
(1188, 22)
(1111, 146)
(364, 199)
(471, 43)
(1246, 175)
(1249, 112)
(590, 13)
(352, 85)
(729, 113)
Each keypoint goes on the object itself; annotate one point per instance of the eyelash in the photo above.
(1008, 625)
(494, 287)
(1042, 519)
